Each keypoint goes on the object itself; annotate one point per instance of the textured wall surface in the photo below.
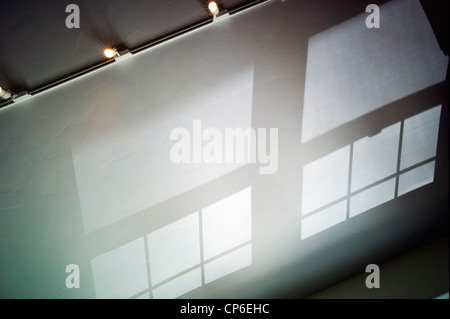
(86, 176)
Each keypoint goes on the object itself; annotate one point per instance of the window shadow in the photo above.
(200, 246)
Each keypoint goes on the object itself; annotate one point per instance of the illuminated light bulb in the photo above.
(213, 8)
(110, 53)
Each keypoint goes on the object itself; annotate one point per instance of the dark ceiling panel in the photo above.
(36, 47)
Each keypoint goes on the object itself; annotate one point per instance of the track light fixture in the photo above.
(111, 53)
(9, 98)
(213, 8)
(118, 56)
(5, 94)
(217, 14)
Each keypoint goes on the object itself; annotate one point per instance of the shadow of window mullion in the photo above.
(228, 251)
(169, 279)
(360, 190)
(349, 186)
(147, 262)
(399, 158)
(202, 258)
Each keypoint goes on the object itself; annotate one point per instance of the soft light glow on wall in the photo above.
(122, 173)
(362, 70)
(374, 171)
(181, 256)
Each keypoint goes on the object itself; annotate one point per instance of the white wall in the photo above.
(86, 176)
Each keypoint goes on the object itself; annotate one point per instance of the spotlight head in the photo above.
(5, 94)
(110, 53)
(213, 8)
